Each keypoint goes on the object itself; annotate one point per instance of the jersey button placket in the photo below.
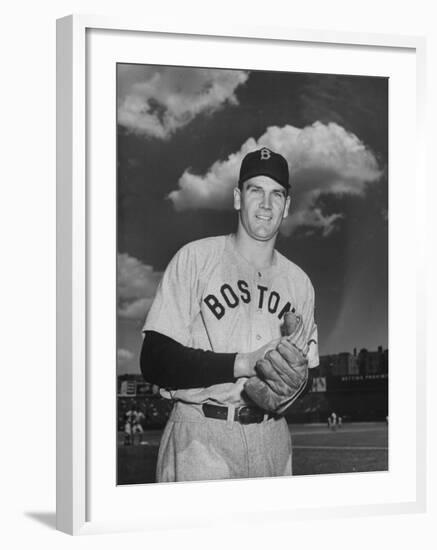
(258, 329)
(257, 279)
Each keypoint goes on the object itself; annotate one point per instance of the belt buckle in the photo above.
(245, 415)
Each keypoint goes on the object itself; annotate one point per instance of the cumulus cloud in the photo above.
(136, 287)
(157, 101)
(323, 159)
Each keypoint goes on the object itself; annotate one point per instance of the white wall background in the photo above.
(27, 218)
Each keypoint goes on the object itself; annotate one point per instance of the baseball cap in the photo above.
(265, 162)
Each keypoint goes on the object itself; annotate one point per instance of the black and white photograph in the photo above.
(252, 274)
(218, 285)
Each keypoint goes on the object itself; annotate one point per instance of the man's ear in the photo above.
(237, 198)
(287, 206)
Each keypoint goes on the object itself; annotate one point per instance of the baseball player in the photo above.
(128, 427)
(230, 337)
(133, 425)
(333, 423)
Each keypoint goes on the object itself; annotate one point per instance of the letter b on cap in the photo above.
(265, 154)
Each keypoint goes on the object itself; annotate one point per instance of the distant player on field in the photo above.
(133, 425)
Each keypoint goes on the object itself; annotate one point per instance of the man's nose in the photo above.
(266, 201)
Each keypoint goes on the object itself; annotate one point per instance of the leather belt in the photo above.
(243, 415)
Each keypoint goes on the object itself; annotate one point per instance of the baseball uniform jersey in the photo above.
(211, 298)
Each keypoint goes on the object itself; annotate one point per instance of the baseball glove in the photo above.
(283, 372)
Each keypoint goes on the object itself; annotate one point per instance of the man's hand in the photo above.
(245, 362)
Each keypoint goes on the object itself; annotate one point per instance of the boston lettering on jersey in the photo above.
(229, 297)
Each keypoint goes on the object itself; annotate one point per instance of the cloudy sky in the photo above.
(182, 133)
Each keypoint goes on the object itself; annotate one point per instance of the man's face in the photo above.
(263, 204)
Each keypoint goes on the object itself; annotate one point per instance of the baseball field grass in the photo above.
(354, 447)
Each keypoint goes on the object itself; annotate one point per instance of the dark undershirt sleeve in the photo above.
(171, 365)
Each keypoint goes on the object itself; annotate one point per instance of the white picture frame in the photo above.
(75, 346)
